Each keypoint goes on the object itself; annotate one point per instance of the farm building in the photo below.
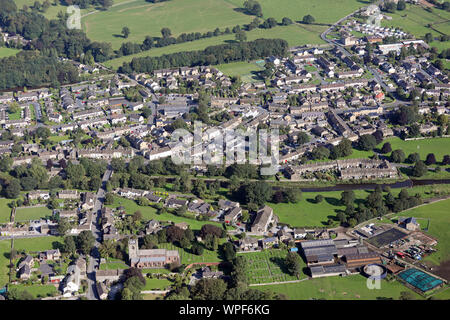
(327, 271)
(362, 259)
(318, 252)
(409, 223)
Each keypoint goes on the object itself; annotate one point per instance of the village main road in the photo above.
(94, 257)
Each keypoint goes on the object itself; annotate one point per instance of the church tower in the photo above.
(133, 248)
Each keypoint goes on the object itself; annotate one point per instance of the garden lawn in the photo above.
(156, 284)
(438, 213)
(5, 210)
(113, 266)
(37, 290)
(38, 244)
(7, 52)
(338, 288)
(149, 213)
(26, 214)
(188, 258)
(5, 249)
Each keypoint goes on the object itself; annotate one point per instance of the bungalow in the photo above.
(153, 198)
(176, 203)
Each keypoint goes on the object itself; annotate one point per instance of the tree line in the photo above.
(213, 55)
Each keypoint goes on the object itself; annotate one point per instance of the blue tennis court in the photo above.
(419, 279)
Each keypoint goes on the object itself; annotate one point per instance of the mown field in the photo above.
(268, 266)
(38, 244)
(248, 71)
(7, 52)
(145, 18)
(26, 214)
(438, 146)
(308, 213)
(156, 284)
(324, 11)
(339, 288)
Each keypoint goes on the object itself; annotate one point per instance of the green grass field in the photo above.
(308, 213)
(149, 213)
(414, 20)
(5, 249)
(38, 244)
(438, 213)
(7, 52)
(37, 290)
(324, 11)
(246, 70)
(27, 214)
(268, 266)
(295, 35)
(438, 146)
(5, 210)
(338, 288)
(144, 18)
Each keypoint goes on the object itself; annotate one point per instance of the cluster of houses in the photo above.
(205, 76)
(345, 169)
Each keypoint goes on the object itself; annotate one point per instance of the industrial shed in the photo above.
(319, 251)
(327, 271)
